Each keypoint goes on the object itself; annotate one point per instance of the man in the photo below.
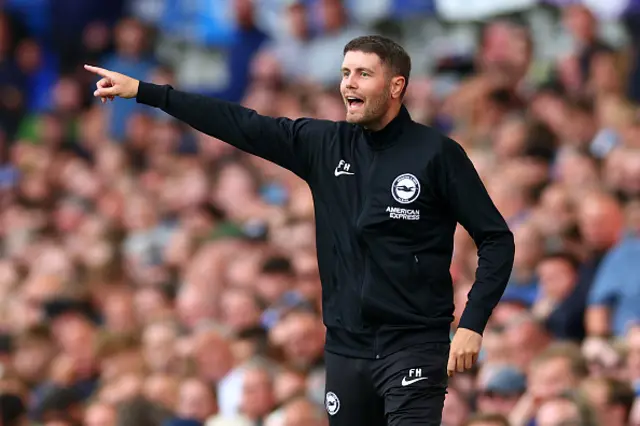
(557, 370)
(388, 193)
(612, 399)
(566, 408)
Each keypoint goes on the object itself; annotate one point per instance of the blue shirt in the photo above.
(617, 284)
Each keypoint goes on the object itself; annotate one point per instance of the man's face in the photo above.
(32, 359)
(600, 222)
(551, 378)
(257, 394)
(239, 310)
(195, 401)
(305, 339)
(557, 278)
(159, 346)
(364, 87)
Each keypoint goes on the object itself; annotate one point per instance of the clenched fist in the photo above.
(113, 84)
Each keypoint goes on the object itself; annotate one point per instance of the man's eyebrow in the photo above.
(359, 69)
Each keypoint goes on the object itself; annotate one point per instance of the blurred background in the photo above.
(150, 275)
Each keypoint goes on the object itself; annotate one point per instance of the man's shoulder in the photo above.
(435, 138)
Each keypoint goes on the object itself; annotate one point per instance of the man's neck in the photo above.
(387, 118)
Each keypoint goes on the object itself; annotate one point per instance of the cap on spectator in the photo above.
(507, 381)
(524, 296)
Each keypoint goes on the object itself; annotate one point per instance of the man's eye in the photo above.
(364, 74)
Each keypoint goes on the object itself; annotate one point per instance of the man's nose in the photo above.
(351, 83)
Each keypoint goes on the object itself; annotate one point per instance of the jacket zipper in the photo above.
(365, 251)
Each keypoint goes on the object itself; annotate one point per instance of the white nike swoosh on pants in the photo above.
(406, 382)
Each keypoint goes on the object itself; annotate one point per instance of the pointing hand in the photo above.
(113, 84)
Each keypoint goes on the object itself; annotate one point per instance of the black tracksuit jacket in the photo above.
(386, 207)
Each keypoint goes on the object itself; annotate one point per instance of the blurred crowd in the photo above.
(152, 275)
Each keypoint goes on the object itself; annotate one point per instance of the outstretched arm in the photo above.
(292, 144)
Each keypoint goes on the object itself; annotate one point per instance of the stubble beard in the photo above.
(375, 109)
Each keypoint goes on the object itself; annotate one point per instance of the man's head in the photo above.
(610, 398)
(526, 338)
(33, 354)
(196, 400)
(304, 340)
(559, 368)
(158, 341)
(558, 273)
(257, 392)
(600, 219)
(375, 75)
(565, 409)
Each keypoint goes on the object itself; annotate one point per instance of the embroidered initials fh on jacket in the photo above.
(386, 207)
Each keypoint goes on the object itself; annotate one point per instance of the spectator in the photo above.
(525, 338)
(558, 369)
(565, 409)
(612, 300)
(501, 391)
(196, 402)
(611, 399)
(563, 316)
(258, 398)
(130, 55)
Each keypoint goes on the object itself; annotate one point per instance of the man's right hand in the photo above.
(113, 84)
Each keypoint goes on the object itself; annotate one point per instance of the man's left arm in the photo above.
(473, 208)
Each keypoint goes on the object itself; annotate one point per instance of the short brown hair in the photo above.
(494, 418)
(565, 350)
(390, 53)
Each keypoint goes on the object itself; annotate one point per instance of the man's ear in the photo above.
(397, 86)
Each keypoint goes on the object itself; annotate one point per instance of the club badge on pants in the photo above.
(332, 403)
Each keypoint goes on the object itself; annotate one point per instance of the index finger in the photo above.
(451, 365)
(97, 70)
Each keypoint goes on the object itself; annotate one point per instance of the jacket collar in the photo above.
(388, 135)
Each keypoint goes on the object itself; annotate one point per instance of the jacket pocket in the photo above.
(433, 283)
(417, 275)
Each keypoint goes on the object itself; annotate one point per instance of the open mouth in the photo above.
(354, 102)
